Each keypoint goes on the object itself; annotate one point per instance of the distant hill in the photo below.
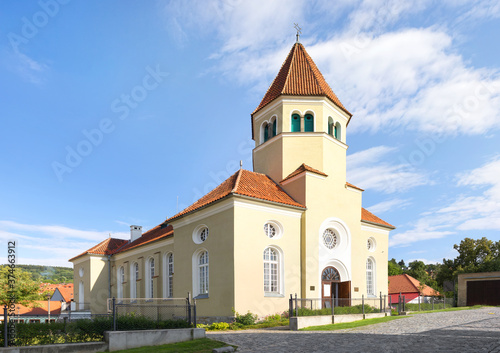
(49, 274)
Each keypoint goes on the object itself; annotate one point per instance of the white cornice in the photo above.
(210, 210)
(143, 248)
(298, 135)
(373, 228)
(268, 142)
(269, 209)
(86, 257)
(353, 189)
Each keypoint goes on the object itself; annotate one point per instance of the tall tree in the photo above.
(18, 284)
(394, 268)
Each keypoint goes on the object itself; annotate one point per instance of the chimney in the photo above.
(135, 232)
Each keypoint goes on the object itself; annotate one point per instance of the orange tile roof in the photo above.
(244, 183)
(105, 247)
(66, 289)
(367, 216)
(40, 309)
(303, 168)
(66, 292)
(353, 186)
(299, 76)
(408, 284)
(156, 233)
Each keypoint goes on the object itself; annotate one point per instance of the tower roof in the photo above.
(299, 76)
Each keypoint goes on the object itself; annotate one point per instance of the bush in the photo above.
(338, 310)
(245, 320)
(219, 326)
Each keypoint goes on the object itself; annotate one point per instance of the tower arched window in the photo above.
(272, 271)
(308, 123)
(274, 128)
(330, 126)
(295, 123)
(338, 135)
(265, 127)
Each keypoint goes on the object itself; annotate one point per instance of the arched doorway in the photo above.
(333, 290)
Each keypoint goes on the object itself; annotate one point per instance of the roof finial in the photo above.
(241, 164)
(299, 31)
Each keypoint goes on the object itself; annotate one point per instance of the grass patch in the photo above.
(354, 324)
(448, 309)
(203, 345)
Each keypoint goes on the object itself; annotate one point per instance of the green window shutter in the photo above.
(295, 123)
(266, 133)
(274, 127)
(309, 123)
(335, 130)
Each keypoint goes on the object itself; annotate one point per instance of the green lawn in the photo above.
(203, 345)
(353, 324)
(448, 309)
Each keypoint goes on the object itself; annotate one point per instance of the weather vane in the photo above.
(299, 31)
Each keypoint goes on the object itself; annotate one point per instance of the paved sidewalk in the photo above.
(454, 331)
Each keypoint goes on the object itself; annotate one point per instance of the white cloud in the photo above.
(370, 169)
(388, 205)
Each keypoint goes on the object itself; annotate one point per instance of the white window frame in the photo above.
(81, 296)
(149, 285)
(197, 234)
(168, 275)
(120, 279)
(134, 276)
(278, 289)
(371, 288)
(201, 274)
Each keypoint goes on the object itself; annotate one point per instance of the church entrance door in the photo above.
(333, 290)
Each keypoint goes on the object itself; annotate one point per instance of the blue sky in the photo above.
(121, 112)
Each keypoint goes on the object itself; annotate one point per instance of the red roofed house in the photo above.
(38, 313)
(410, 288)
(292, 225)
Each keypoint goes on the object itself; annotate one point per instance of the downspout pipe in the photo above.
(109, 276)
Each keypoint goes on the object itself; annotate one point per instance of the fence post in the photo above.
(380, 301)
(363, 304)
(385, 300)
(5, 327)
(432, 301)
(69, 310)
(290, 306)
(331, 304)
(296, 306)
(404, 303)
(419, 302)
(444, 301)
(399, 303)
(188, 308)
(194, 312)
(114, 314)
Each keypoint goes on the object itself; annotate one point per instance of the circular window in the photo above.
(270, 230)
(330, 238)
(370, 244)
(200, 234)
(80, 272)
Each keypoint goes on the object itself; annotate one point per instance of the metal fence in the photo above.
(336, 306)
(155, 309)
(421, 303)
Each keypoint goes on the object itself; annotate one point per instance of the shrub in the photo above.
(219, 326)
(245, 320)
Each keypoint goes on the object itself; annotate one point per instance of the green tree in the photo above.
(476, 255)
(394, 268)
(19, 285)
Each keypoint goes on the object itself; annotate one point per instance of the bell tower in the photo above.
(299, 121)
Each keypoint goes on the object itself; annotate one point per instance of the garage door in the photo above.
(483, 292)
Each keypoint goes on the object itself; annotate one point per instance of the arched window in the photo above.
(203, 272)
(274, 128)
(266, 131)
(134, 276)
(295, 123)
(81, 296)
(120, 280)
(330, 126)
(370, 277)
(337, 131)
(170, 276)
(150, 275)
(308, 123)
(271, 271)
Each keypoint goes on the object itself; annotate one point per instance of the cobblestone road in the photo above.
(454, 331)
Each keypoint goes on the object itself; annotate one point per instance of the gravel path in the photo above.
(453, 331)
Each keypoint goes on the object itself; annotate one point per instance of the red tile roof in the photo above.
(301, 169)
(408, 284)
(156, 233)
(105, 247)
(367, 216)
(299, 76)
(244, 183)
(66, 289)
(40, 309)
(353, 186)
